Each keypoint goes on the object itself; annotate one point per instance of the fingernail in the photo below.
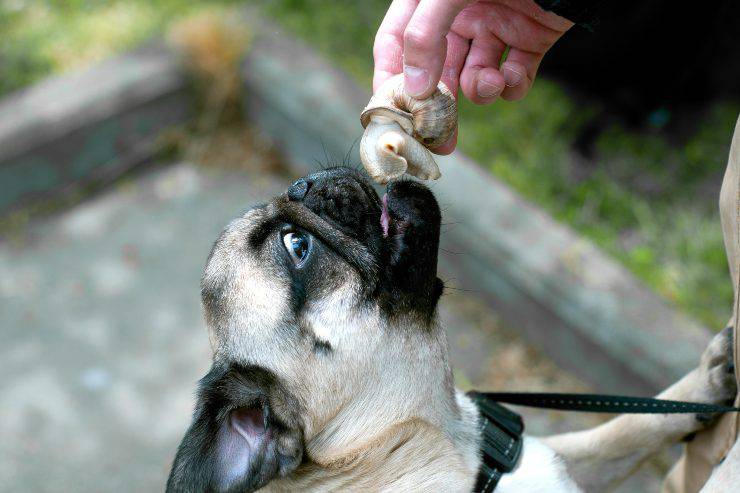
(512, 77)
(486, 89)
(415, 80)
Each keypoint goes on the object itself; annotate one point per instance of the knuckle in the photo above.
(513, 95)
(416, 38)
(387, 46)
(517, 92)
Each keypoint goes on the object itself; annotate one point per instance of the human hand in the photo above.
(462, 42)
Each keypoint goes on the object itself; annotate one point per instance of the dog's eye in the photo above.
(298, 246)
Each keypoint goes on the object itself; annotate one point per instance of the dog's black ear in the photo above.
(238, 440)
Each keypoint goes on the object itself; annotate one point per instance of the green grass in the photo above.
(43, 37)
(648, 202)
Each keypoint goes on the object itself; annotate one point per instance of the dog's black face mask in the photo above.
(399, 231)
(329, 245)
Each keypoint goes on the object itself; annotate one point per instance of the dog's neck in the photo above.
(409, 456)
(406, 435)
(413, 455)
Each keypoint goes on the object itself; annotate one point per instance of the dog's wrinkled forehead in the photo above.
(337, 207)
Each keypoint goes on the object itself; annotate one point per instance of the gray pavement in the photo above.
(102, 339)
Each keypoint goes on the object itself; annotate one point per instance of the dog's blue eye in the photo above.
(298, 246)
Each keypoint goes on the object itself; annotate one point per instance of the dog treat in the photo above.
(400, 131)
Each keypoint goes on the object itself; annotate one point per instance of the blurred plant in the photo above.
(213, 43)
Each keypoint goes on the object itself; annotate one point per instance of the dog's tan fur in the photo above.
(408, 456)
(382, 413)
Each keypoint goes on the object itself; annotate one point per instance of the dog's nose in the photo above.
(298, 190)
(326, 177)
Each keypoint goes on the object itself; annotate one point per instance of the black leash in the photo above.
(502, 429)
(597, 403)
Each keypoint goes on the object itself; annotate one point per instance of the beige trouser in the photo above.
(710, 447)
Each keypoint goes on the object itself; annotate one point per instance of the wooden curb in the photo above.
(586, 311)
(88, 126)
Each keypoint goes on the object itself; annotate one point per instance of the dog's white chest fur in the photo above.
(540, 471)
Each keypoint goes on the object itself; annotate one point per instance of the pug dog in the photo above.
(331, 371)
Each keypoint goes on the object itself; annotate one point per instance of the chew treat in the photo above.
(401, 130)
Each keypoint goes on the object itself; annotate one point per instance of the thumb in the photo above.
(425, 44)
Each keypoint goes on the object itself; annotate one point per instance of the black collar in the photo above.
(501, 441)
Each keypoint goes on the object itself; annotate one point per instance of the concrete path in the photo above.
(102, 340)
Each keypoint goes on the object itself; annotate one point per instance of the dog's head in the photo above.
(320, 307)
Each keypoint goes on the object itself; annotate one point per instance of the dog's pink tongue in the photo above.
(384, 219)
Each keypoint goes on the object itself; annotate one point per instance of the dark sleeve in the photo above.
(581, 12)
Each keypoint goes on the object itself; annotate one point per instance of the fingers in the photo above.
(481, 80)
(492, 27)
(388, 47)
(457, 51)
(428, 40)
(519, 71)
(448, 147)
(413, 38)
(425, 44)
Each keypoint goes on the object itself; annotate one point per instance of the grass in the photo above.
(649, 202)
(40, 37)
